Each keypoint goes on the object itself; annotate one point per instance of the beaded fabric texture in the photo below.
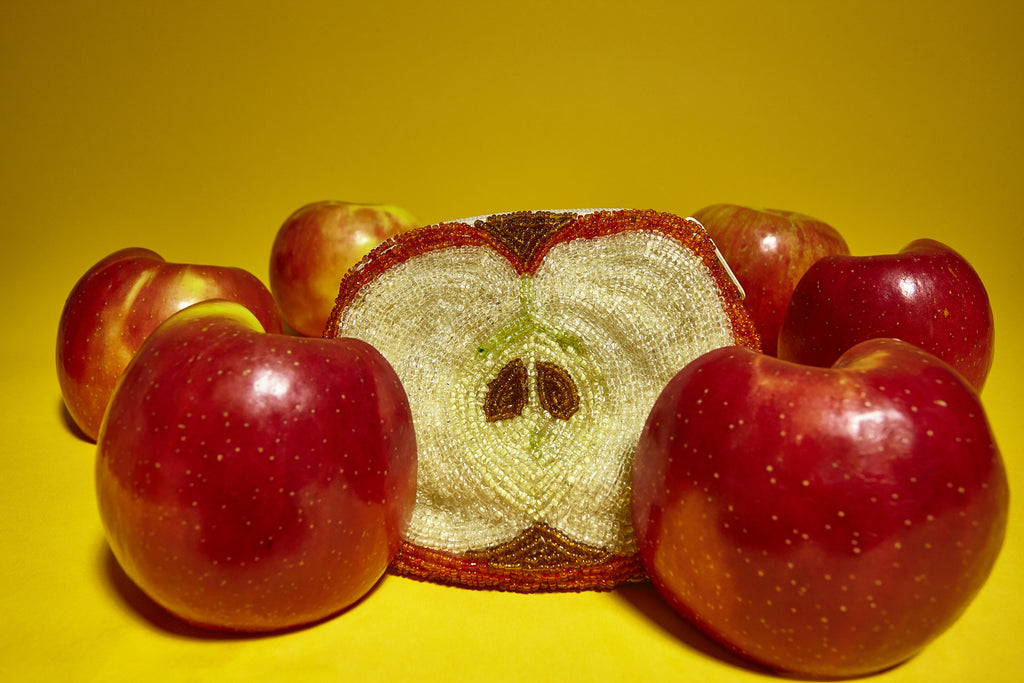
(532, 346)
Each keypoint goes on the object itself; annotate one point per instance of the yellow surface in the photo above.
(195, 128)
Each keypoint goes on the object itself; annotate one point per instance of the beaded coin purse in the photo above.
(532, 346)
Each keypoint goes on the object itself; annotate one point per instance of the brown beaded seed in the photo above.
(507, 393)
(556, 390)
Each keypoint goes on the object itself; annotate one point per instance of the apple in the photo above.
(825, 522)
(532, 345)
(316, 246)
(769, 251)
(118, 302)
(927, 294)
(250, 481)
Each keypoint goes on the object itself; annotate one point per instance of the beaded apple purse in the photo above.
(532, 346)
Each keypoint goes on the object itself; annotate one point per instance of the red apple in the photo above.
(820, 521)
(927, 294)
(316, 246)
(769, 251)
(250, 481)
(118, 302)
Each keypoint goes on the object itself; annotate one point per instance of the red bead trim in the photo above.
(425, 564)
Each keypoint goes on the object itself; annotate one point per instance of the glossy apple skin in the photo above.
(250, 481)
(820, 521)
(927, 294)
(768, 251)
(118, 302)
(316, 246)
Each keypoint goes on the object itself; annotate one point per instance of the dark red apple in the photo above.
(820, 521)
(250, 481)
(927, 294)
(316, 246)
(769, 251)
(118, 302)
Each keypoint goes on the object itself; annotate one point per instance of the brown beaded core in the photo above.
(523, 231)
(540, 546)
(532, 346)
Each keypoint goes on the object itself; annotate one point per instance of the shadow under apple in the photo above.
(69, 422)
(645, 599)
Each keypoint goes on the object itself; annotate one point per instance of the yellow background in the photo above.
(195, 128)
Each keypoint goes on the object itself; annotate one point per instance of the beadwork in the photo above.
(507, 392)
(532, 346)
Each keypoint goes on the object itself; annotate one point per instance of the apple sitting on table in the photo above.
(927, 294)
(118, 302)
(316, 246)
(254, 482)
(820, 521)
(769, 251)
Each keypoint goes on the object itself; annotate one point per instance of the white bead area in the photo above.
(612, 318)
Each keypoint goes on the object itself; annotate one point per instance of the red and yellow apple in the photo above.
(769, 251)
(250, 481)
(825, 522)
(118, 302)
(316, 246)
(927, 294)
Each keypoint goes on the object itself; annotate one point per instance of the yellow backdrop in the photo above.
(194, 128)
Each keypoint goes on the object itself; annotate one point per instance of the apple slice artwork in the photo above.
(250, 481)
(823, 522)
(532, 346)
(926, 294)
(313, 249)
(118, 302)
